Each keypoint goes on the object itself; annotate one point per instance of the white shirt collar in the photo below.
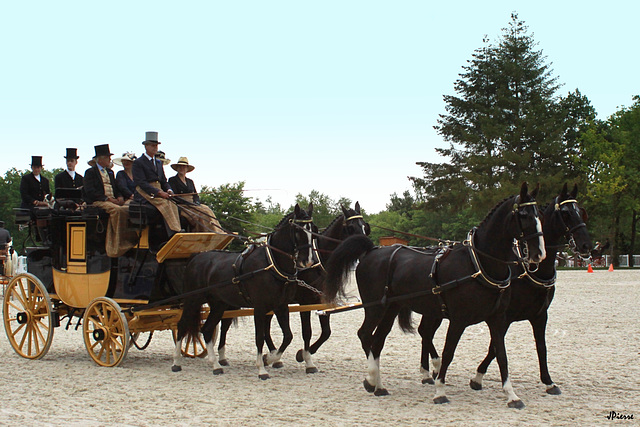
(72, 174)
(37, 177)
(148, 156)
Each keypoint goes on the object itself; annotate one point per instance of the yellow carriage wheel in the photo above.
(28, 320)
(106, 332)
(192, 347)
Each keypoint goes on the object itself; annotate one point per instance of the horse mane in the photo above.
(492, 211)
(332, 222)
(287, 217)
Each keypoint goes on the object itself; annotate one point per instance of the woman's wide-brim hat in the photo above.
(151, 138)
(183, 161)
(161, 156)
(129, 156)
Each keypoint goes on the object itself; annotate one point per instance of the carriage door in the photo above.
(76, 247)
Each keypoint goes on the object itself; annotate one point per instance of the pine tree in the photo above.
(505, 125)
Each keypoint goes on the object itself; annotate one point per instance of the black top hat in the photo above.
(102, 150)
(151, 138)
(72, 153)
(36, 161)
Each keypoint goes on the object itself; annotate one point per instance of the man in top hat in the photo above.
(151, 183)
(33, 186)
(100, 190)
(69, 178)
(201, 217)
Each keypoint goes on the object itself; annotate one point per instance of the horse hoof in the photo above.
(264, 377)
(440, 400)
(428, 381)
(223, 362)
(475, 385)
(367, 386)
(218, 371)
(311, 370)
(299, 357)
(381, 392)
(516, 404)
(176, 368)
(555, 390)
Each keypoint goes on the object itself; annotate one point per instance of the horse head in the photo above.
(303, 229)
(353, 222)
(527, 225)
(568, 219)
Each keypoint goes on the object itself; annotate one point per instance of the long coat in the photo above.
(93, 188)
(63, 180)
(31, 190)
(144, 174)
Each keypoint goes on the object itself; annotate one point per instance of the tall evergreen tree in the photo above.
(505, 125)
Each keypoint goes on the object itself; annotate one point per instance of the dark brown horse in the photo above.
(467, 282)
(532, 288)
(262, 277)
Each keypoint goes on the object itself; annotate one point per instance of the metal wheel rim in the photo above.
(28, 322)
(106, 332)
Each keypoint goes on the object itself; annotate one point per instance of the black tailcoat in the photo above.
(31, 190)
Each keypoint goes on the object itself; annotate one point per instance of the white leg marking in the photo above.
(543, 251)
(211, 354)
(478, 378)
(260, 364)
(221, 353)
(273, 357)
(436, 363)
(373, 371)
(177, 353)
(508, 390)
(307, 359)
(440, 389)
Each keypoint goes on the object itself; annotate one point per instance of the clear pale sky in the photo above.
(290, 96)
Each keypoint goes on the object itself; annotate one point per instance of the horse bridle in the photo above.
(568, 232)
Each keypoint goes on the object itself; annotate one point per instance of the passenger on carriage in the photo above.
(69, 178)
(100, 190)
(5, 239)
(200, 216)
(34, 187)
(152, 186)
(124, 178)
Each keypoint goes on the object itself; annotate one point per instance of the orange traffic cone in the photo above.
(610, 267)
(589, 270)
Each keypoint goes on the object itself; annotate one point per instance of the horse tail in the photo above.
(340, 262)
(404, 320)
(189, 323)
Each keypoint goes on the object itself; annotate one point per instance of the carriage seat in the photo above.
(143, 213)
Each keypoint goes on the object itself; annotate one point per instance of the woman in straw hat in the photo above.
(201, 217)
(124, 178)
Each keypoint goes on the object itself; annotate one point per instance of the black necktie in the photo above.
(153, 164)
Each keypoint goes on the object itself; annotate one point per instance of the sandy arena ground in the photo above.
(594, 357)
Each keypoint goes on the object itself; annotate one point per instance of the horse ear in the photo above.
(574, 192)
(357, 207)
(310, 209)
(523, 191)
(535, 191)
(564, 190)
(296, 210)
(344, 211)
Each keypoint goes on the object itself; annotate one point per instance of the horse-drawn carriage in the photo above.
(70, 278)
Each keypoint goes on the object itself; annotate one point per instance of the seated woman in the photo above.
(124, 178)
(201, 217)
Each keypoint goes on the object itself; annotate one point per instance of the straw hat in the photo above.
(125, 156)
(183, 161)
(160, 156)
